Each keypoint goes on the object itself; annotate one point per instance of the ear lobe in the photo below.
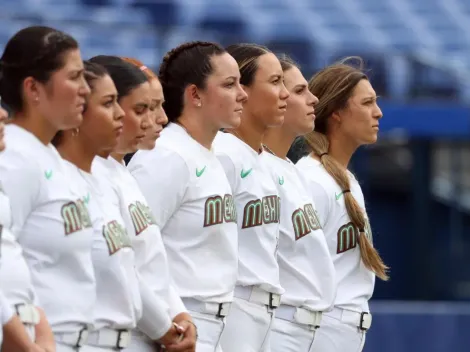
(30, 88)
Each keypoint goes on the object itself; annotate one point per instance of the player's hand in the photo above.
(188, 343)
(36, 348)
(172, 336)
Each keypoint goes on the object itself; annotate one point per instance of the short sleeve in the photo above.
(163, 178)
(229, 168)
(21, 182)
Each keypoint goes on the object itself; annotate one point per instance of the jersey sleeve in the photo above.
(229, 168)
(321, 199)
(6, 310)
(175, 302)
(155, 320)
(163, 180)
(21, 181)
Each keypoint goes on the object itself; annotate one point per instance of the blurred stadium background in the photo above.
(416, 180)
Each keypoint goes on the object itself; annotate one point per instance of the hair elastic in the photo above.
(323, 154)
(347, 191)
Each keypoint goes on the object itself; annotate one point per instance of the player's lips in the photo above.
(140, 137)
(239, 110)
(283, 107)
(118, 130)
(376, 127)
(312, 114)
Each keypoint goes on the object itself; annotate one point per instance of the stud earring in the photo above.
(199, 104)
(75, 132)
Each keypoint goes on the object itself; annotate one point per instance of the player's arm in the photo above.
(155, 321)
(21, 181)
(163, 180)
(321, 199)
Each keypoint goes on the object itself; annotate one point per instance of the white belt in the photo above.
(363, 320)
(74, 339)
(112, 338)
(299, 315)
(220, 310)
(257, 295)
(27, 313)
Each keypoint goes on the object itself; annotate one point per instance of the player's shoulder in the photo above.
(312, 170)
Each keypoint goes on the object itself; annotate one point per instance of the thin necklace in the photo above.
(236, 134)
(268, 149)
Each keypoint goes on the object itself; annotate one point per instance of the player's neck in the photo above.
(200, 131)
(77, 153)
(278, 140)
(36, 125)
(250, 133)
(341, 150)
(118, 157)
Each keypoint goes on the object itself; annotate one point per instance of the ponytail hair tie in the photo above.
(323, 154)
(347, 191)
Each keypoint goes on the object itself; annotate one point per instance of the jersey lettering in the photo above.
(347, 238)
(218, 210)
(75, 216)
(305, 221)
(141, 217)
(259, 211)
(116, 237)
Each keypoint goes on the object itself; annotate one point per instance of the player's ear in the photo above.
(192, 96)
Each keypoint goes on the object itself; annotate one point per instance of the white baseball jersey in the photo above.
(151, 258)
(258, 208)
(355, 283)
(190, 197)
(51, 222)
(306, 268)
(143, 307)
(117, 305)
(15, 279)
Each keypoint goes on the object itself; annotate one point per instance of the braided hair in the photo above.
(189, 63)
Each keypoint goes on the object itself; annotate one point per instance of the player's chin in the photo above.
(232, 121)
(73, 120)
(148, 144)
(276, 121)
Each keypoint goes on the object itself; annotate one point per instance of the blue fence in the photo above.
(419, 327)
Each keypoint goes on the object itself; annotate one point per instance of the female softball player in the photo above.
(120, 297)
(258, 290)
(347, 117)
(43, 84)
(13, 336)
(150, 257)
(186, 187)
(306, 268)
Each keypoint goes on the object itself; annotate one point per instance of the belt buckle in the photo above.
(271, 301)
(82, 337)
(368, 322)
(123, 338)
(219, 311)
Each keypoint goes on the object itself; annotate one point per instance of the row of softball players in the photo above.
(83, 264)
(298, 233)
(197, 213)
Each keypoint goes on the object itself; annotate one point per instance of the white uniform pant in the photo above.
(288, 336)
(337, 336)
(209, 329)
(141, 343)
(248, 327)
